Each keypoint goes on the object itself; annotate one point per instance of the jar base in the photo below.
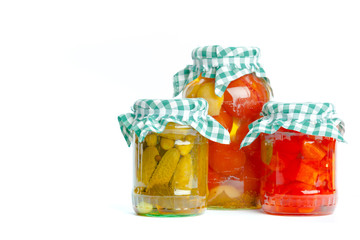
(233, 208)
(168, 206)
(299, 205)
(235, 205)
(222, 201)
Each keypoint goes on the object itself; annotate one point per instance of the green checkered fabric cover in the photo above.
(308, 118)
(223, 64)
(152, 115)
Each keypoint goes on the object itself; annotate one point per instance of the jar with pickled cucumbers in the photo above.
(236, 88)
(298, 150)
(170, 172)
(171, 155)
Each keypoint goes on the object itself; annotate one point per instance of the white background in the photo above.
(68, 68)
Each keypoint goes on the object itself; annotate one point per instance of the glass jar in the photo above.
(170, 172)
(234, 174)
(299, 173)
(170, 140)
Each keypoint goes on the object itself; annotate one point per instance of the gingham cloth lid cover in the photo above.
(223, 64)
(152, 115)
(308, 118)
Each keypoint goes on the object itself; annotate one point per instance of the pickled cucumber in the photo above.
(165, 169)
(151, 139)
(148, 164)
(166, 143)
(183, 174)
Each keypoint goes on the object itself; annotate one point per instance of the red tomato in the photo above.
(253, 155)
(260, 89)
(215, 179)
(245, 97)
(227, 159)
(251, 177)
(253, 150)
(239, 177)
(224, 119)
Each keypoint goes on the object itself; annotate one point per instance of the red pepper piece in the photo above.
(273, 183)
(307, 174)
(328, 144)
(291, 146)
(298, 188)
(291, 169)
(325, 180)
(312, 150)
(280, 160)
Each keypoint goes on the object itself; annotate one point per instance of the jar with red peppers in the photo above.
(236, 88)
(298, 151)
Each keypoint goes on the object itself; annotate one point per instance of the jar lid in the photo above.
(152, 115)
(223, 64)
(308, 118)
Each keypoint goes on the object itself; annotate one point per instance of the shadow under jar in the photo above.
(170, 172)
(299, 173)
(233, 174)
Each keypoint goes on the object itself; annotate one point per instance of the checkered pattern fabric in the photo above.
(223, 64)
(308, 118)
(152, 115)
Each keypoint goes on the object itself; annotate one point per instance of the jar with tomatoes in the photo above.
(298, 151)
(236, 88)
